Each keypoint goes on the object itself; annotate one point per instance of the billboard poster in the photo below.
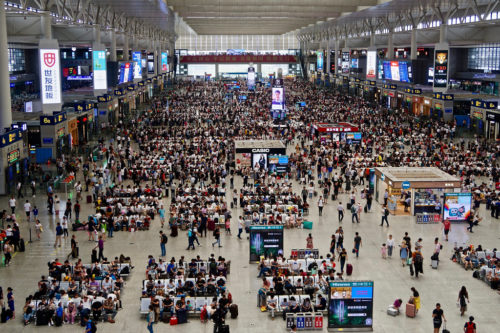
(136, 57)
(371, 64)
(278, 163)
(251, 78)
(50, 76)
(457, 206)
(164, 62)
(151, 63)
(278, 95)
(319, 61)
(265, 240)
(441, 69)
(395, 71)
(350, 305)
(345, 63)
(99, 67)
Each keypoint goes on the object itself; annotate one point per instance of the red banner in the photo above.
(210, 59)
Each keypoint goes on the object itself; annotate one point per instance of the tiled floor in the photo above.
(391, 280)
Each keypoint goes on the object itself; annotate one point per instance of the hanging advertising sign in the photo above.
(457, 206)
(319, 61)
(251, 78)
(99, 66)
(350, 305)
(371, 64)
(136, 57)
(164, 62)
(278, 95)
(50, 76)
(345, 62)
(441, 69)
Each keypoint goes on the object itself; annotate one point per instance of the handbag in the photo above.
(408, 261)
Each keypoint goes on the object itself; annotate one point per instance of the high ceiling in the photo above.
(260, 17)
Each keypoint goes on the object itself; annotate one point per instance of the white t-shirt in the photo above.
(12, 202)
(27, 207)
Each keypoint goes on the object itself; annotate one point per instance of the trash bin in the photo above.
(308, 321)
(291, 318)
(318, 320)
(301, 317)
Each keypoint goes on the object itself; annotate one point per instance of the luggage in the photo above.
(58, 321)
(3, 317)
(475, 274)
(410, 310)
(348, 269)
(444, 329)
(315, 193)
(224, 329)
(173, 321)
(174, 231)
(365, 209)
(21, 245)
(392, 311)
(89, 199)
(42, 318)
(349, 206)
(75, 252)
(232, 205)
(333, 197)
(211, 225)
(307, 225)
(434, 264)
(233, 309)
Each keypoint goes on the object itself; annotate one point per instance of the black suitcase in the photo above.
(232, 205)
(233, 309)
(224, 329)
(366, 209)
(89, 199)
(75, 253)
(42, 318)
(58, 321)
(21, 245)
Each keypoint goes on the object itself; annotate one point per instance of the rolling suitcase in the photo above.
(233, 309)
(410, 310)
(89, 199)
(392, 311)
(75, 252)
(224, 329)
(348, 269)
(307, 224)
(21, 245)
(434, 264)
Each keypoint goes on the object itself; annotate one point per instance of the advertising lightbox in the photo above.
(350, 305)
(136, 58)
(319, 61)
(265, 240)
(164, 62)
(99, 67)
(457, 206)
(50, 76)
(371, 64)
(441, 69)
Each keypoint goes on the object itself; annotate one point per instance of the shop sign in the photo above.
(149, 80)
(391, 93)
(47, 141)
(405, 185)
(84, 106)
(60, 132)
(477, 114)
(141, 84)
(118, 92)
(413, 91)
(11, 137)
(13, 156)
(438, 106)
(390, 86)
(104, 98)
(131, 87)
(493, 116)
(492, 105)
(443, 97)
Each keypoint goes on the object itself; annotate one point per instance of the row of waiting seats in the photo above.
(298, 298)
(197, 303)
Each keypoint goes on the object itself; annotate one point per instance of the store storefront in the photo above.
(14, 160)
(414, 191)
(389, 99)
(442, 105)
(73, 131)
(492, 125)
(53, 133)
(107, 111)
(478, 111)
(269, 155)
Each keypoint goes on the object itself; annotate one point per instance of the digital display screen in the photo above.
(441, 69)
(345, 62)
(99, 66)
(164, 62)
(457, 206)
(136, 58)
(387, 70)
(319, 61)
(126, 72)
(251, 78)
(151, 63)
(278, 163)
(350, 305)
(355, 63)
(259, 161)
(403, 72)
(395, 71)
(371, 63)
(13, 156)
(277, 98)
(430, 75)
(265, 241)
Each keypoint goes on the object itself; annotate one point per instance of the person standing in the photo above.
(403, 252)
(470, 326)
(33, 188)
(7, 252)
(59, 233)
(57, 206)
(309, 242)
(320, 205)
(438, 317)
(161, 211)
(386, 197)
(437, 249)
(342, 259)
(27, 210)
(64, 225)
(38, 229)
(340, 209)
(68, 210)
(191, 239)
(163, 243)
(76, 209)
(332, 245)
(241, 224)
(216, 235)
(447, 228)
(357, 243)
(10, 302)
(12, 204)
(354, 213)
(390, 246)
(50, 204)
(385, 213)
(463, 299)
(100, 246)
(19, 190)
(151, 318)
(418, 261)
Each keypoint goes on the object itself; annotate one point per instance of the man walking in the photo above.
(163, 243)
(320, 205)
(12, 204)
(357, 243)
(59, 233)
(385, 213)
(340, 209)
(216, 235)
(354, 212)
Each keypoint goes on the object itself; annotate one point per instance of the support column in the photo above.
(443, 31)
(113, 45)
(125, 48)
(97, 34)
(413, 54)
(336, 56)
(5, 102)
(328, 57)
(259, 69)
(217, 71)
(390, 46)
(46, 22)
(372, 39)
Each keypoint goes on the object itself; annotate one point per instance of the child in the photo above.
(228, 226)
(35, 212)
(383, 251)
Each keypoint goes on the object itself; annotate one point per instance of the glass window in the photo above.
(16, 60)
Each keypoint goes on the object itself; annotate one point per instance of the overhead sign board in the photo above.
(50, 76)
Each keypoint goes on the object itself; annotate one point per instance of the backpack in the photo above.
(164, 239)
(418, 258)
(353, 209)
(190, 233)
(386, 212)
(470, 328)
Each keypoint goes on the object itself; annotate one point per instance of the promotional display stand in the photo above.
(327, 133)
(262, 154)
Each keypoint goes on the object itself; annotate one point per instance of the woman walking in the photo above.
(390, 246)
(309, 242)
(332, 245)
(403, 253)
(151, 319)
(463, 299)
(415, 297)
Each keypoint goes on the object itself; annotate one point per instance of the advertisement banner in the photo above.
(225, 58)
(278, 95)
(457, 206)
(441, 69)
(50, 76)
(319, 61)
(350, 305)
(99, 67)
(266, 240)
(345, 63)
(251, 78)
(164, 62)
(371, 64)
(137, 59)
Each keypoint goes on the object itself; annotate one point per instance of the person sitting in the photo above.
(272, 304)
(263, 268)
(321, 304)
(70, 313)
(306, 305)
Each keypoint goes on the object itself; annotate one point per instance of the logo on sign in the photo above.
(405, 185)
(264, 150)
(49, 59)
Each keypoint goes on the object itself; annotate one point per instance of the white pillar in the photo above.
(413, 54)
(217, 71)
(328, 57)
(125, 48)
(372, 39)
(46, 22)
(259, 69)
(113, 45)
(336, 56)
(443, 30)
(390, 46)
(5, 102)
